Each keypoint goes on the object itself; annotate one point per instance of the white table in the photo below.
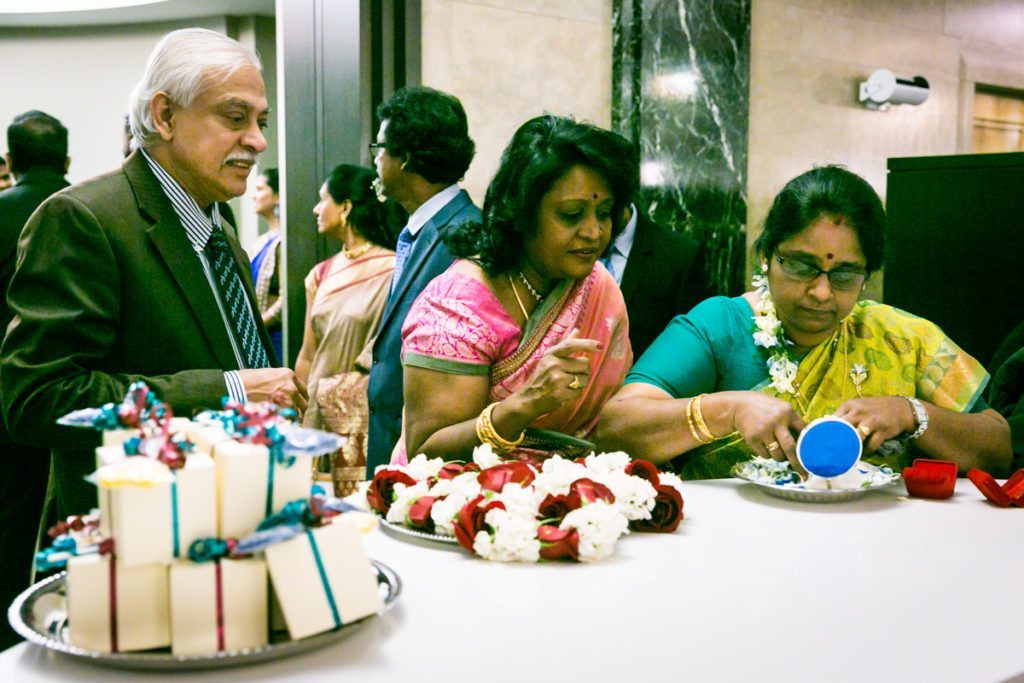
(751, 588)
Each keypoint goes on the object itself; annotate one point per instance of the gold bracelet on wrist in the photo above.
(691, 423)
(698, 417)
(486, 432)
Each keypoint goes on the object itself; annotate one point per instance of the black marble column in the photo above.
(681, 75)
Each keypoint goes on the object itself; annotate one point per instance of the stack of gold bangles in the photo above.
(695, 420)
(486, 432)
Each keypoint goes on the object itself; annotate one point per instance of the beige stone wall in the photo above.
(511, 60)
(808, 57)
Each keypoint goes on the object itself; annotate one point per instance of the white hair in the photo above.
(183, 64)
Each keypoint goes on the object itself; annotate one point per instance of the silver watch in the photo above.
(920, 414)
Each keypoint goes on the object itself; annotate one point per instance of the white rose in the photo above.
(405, 496)
(421, 467)
(607, 462)
(514, 538)
(634, 496)
(599, 525)
(484, 456)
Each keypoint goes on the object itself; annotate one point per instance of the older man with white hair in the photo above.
(134, 276)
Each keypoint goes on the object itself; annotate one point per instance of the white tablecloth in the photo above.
(750, 588)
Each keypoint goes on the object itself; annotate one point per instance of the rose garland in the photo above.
(514, 511)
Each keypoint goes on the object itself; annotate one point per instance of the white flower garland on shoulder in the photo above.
(768, 334)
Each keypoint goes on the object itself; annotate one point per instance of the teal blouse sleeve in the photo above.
(709, 349)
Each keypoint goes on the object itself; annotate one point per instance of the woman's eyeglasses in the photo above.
(842, 278)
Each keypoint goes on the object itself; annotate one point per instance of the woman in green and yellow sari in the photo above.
(742, 376)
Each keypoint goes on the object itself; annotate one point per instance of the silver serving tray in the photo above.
(40, 616)
(405, 533)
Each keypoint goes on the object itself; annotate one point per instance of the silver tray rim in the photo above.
(166, 661)
(400, 531)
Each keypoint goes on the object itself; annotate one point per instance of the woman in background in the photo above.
(345, 298)
(267, 255)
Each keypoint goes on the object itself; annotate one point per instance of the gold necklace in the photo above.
(356, 252)
(519, 301)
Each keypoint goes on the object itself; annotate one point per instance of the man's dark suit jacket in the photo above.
(664, 277)
(108, 290)
(16, 205)
(24, 470)
(428, 258)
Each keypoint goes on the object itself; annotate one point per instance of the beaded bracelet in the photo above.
(486, 432)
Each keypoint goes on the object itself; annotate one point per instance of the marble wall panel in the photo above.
(689, 119)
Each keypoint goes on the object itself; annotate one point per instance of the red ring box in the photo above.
(1014, 488)
(989, 487)
(930, 478)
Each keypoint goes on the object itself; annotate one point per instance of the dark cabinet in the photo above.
(955, 245)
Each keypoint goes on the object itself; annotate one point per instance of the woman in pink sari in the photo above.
(522, 341)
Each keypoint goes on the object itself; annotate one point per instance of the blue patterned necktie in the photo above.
(225, 272)
(405, 240)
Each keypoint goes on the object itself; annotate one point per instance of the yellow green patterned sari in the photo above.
(900, 355)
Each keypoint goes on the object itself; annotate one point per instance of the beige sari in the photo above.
(348, 299)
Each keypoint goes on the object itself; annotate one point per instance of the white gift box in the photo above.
(154, 522)
(251, 486)
(117, 610)
(205, 436)
(117, 437)
(218, 606)
(323, 578)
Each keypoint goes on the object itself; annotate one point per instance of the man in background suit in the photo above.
(37, 155)
(132, 276)
(661, 274)
(5, 174)
(423, 149)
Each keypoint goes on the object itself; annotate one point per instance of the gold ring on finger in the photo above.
(575, 383)
(773, 446)
(864, 430)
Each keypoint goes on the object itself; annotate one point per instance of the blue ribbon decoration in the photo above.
(209, 550)
(57, 555)
(174, 517)
(323, 578)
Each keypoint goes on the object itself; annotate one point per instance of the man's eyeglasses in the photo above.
(842, 278)
(375, 147)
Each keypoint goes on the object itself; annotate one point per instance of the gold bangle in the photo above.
(698, 417)
(692, 425)
(486, 432)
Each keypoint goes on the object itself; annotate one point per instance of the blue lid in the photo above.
(829, 447)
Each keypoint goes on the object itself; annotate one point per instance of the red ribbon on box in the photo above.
(1010, 493)
(930, 478)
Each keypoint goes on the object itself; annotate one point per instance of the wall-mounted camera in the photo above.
(884, 88)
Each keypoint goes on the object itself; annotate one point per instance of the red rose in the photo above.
(495, 478)
(589, 491)
(381, 493)
(471, 520)
(644, 470)
(557, 544)
(556, 507)
(451, 470)
(667, 512)
(419, 513)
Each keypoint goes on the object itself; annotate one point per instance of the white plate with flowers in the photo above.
(778, 479)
